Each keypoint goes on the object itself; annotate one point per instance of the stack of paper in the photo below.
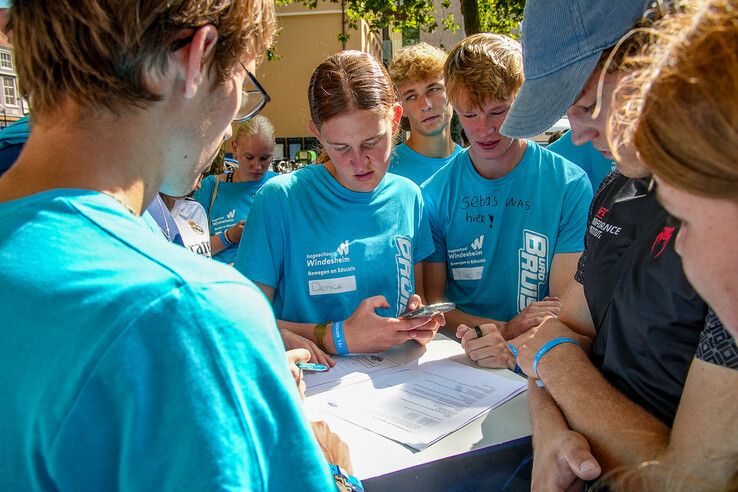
(348, 370)
(415, 404)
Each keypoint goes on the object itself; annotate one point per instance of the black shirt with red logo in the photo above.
(647, 316)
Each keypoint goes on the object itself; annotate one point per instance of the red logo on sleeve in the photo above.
(661, 241)
(601, 213)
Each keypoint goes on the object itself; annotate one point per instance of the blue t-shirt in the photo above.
(13, 139)
(498, 237)
(232, 204)
(417, 167)
(584, 156)
(131, 364)
(324, 248)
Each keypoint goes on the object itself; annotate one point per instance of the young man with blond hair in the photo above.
(417, 71)
(128, 362)
(507, 216)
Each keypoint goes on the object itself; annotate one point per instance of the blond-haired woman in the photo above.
(228, 197)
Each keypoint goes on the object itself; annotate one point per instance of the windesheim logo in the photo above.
(477, 243)
(343, 248)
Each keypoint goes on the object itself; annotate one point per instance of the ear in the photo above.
(195, 58)
(314, 130)
(396, 115)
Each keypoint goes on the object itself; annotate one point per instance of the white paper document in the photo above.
(349, 369)
(421, 404)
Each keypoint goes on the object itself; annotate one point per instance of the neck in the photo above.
(239, 175)
(74, 153)
(437, 146)
(168, 200)
(502, 165)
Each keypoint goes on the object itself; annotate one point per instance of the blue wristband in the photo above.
(224, 239)
(548, 346)
(338, 340)
(342, 476)
(517, 369)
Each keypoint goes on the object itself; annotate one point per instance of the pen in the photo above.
(306, 366)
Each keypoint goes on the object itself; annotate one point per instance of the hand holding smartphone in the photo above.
(428, 310)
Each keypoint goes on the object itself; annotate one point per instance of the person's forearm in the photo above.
(545, 415)
(619, 431)
(216, 245)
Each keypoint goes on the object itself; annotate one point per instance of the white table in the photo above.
(373, 455)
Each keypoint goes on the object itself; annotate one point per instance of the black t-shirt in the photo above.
(647, 316)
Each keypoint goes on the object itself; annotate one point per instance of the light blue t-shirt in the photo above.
(584, 156)
(498, 237)
(128, 363)
(232, 204)
(417, 167)
(324, 248)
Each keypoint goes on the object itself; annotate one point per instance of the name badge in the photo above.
(472, 273)
(332, 285)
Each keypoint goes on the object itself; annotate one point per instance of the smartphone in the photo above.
(429, 310)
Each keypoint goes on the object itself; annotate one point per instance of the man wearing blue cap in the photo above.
(632, 300)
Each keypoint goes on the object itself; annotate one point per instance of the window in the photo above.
(11, 98)
(6, 60)
(410, 35)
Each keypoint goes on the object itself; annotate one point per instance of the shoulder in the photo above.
(192, 294)
(281, 184)
(400, 186)
(400, 149)
(610, 187)
(399, 182)
(552, 162)
(206, 188)
(443, 176)
(269, 175)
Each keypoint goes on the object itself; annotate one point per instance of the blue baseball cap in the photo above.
(562, 43)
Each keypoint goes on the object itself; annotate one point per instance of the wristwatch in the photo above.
(344, 480)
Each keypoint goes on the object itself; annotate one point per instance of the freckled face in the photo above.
(359, 144)
(254, 154)
(425, 105)
(482, 127)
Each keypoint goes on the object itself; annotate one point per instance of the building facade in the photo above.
(306, 37)
(12, 105)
